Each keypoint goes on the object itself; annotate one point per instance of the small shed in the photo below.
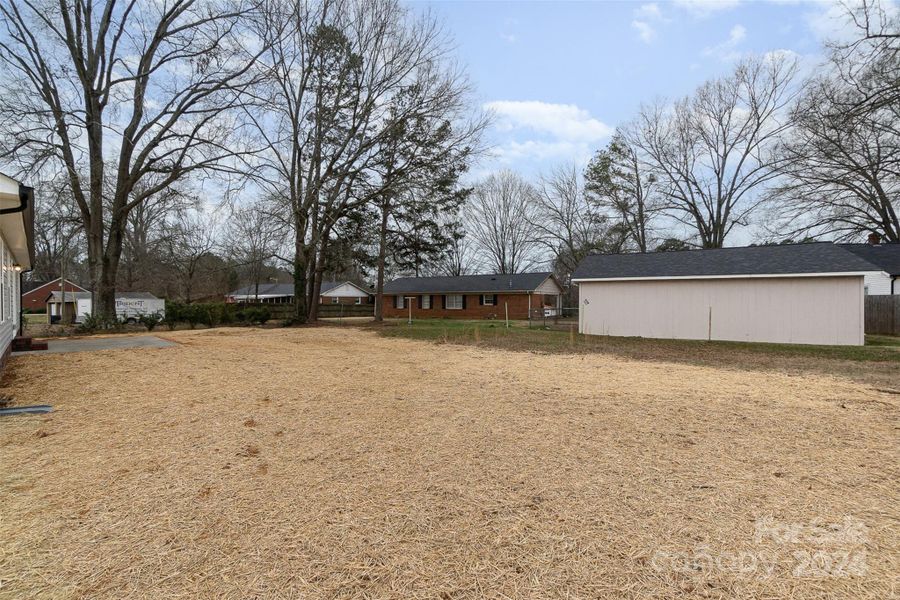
(793, 294)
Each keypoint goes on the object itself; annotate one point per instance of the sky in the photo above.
(559, 76)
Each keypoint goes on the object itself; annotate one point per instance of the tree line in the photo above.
(191, 146)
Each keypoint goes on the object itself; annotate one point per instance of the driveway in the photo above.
(93, 344)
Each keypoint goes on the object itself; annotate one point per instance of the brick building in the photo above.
(473, 296)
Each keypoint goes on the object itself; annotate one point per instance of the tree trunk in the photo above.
(300, 266)
(382, 257)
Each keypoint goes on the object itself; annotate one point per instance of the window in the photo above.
(454, 302)
(426, 302)
(487, 299)
(334, 299)
(358, 300)
(399, 301)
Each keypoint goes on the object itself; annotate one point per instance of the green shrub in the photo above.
(150, 321)
(174, 310)
(254, 315)
(91, 323)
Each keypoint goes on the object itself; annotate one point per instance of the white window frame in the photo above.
(487, 299)
(335, 299)
(401, 301)
(426, 302)
(358, 300)
(451, 302)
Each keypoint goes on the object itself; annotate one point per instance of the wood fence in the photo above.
(883, 315)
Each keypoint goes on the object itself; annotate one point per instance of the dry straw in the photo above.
(332, 463)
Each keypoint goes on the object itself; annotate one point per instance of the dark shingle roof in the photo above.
(57, 296)
(265, 289)
(821, 257)
(884, 256)
(519, 282)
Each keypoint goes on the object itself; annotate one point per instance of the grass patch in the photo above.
(883, 340)
(875, 363)
(35, 317)
(535, 339)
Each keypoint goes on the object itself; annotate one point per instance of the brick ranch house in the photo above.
(473, 296)
(332, 292)
(35, 299)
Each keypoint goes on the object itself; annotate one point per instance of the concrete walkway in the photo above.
(89, 344)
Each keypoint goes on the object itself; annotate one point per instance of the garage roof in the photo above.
(753, 261)
(517, 282)
(884, 256)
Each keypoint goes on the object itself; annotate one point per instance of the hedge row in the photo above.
(213, 314)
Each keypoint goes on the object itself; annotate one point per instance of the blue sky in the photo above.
(559, 76)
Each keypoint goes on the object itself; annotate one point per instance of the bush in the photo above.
(150, 321)
(92, 323)
(211, 314)
(257, 315)
(174, 311)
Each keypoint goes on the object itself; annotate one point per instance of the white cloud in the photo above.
(645, 16)
(648, 11)
(704, 8)
(645, 31)
(727, 50)
(562, 121)
(509, 38)
(513, 152)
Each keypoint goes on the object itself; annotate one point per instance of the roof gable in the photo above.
(495, 283)
(820, 257)
(338, 288)
(41, 286)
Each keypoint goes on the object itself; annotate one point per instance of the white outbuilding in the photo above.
(792, 294)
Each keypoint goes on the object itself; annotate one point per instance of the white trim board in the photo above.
(743, 276)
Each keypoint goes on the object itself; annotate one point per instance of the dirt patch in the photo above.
(382, 467)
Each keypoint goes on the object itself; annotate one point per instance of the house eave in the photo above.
(732, 276)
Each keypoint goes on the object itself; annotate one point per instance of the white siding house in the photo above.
(886, 257)
(16, 252)
(794, 294)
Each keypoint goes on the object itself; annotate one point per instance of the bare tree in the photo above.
(459, 256)
(714, 151)
(148, 235)
(57, 231)
(500, 219)
(622, 185)
(111, 94)
(193, 240)
(841, 166)
(870, 64)
(331, 78)
(564, 221)
(252, 240)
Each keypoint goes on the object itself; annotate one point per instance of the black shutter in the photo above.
(480, 299)
(495, 299)
(395, 302)
(444, 301)
(464, 301)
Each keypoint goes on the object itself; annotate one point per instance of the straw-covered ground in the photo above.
(334, 463)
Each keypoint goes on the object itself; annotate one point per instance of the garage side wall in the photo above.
(791, 310)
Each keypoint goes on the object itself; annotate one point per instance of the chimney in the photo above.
(874, 239)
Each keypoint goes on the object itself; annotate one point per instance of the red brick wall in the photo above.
(517, 303)
(36, 299)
